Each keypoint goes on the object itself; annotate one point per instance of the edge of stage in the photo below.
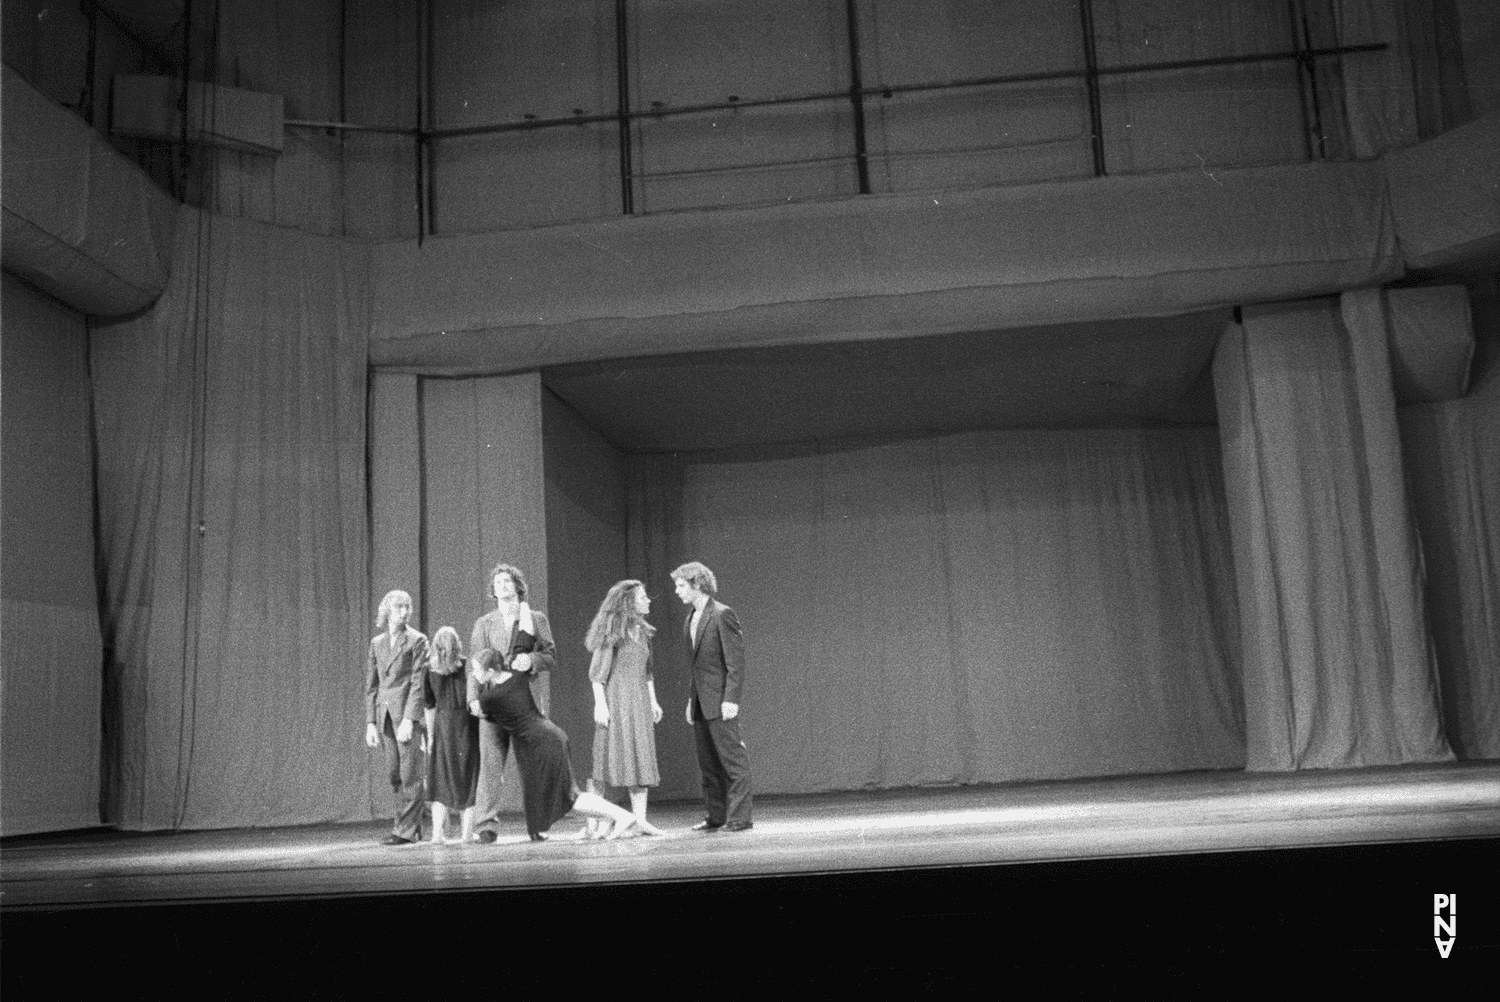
(869, 886)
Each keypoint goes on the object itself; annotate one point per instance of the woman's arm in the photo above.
(655, 706)
(601, 705)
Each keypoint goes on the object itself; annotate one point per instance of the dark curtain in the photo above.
(230, 422)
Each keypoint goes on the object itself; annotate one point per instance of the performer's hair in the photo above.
(383, 616)
(698, 576)
(617, 618)
(515, 575)
(448, 649)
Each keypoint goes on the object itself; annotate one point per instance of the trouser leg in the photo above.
(734, 764)
(405, 766)
(715, 785)
(494, 752)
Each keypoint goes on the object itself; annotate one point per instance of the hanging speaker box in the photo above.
(148, 107)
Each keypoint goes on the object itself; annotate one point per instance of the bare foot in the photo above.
(647, 828)
(620, 827)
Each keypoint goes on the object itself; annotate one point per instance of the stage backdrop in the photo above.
(230, 422)
(979, 607)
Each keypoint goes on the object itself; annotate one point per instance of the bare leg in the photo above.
(439, 822)
(592, 829)
(638, 801)
(596, 806)
(466, 822)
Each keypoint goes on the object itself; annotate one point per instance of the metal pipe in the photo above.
(299, 123)
(450, 131)
(1310, 67)
(857, 100)
(622, 107)
(421, 131)
(1291, 13)
(1091, 85)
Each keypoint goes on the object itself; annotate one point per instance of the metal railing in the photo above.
(1304, 55)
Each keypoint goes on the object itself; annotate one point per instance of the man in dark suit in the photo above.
(496, 630)
(717, 650)
(393, 710)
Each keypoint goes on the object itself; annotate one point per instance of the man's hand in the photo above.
(729, 710)
(372, 736)
(474, 707)
(689, 713)
(655, 712)
(601, 714)
(403, 733)
(521, 663)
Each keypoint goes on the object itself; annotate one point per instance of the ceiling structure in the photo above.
(1134, 372)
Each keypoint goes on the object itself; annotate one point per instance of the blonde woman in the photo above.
(453, 737)
(625, 706)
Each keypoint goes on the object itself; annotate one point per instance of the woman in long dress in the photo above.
(541, 747)
(625, 706)
(453, 735)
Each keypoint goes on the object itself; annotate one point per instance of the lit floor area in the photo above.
(1093, 819)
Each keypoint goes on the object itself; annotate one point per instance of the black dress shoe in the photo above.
(538, 837)
(485, 837)
(708, 826)
(394, 839)
(738, 826)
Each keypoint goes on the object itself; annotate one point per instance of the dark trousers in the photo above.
(725, 765)
(406, 768)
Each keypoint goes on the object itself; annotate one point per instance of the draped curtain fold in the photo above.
(230, 422)
(981, 607)
(1453, 473)
(1338, 669)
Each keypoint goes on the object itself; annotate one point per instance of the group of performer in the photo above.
(449, 723)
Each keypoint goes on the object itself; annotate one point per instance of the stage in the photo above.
(1091, 819)
(1159, 880)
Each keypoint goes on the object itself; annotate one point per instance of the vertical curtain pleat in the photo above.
(1337, 669)
(483, 504)
(1453, 470)
(231, 430)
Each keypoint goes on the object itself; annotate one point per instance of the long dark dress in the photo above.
(540, 747)
(453, 763)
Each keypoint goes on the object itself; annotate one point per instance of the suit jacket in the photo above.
(489, 631)
(393, 678)
(718, 657)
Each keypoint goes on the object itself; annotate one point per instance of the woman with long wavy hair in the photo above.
(625, 706)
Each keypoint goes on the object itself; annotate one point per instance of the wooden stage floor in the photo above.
(1041, 822)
